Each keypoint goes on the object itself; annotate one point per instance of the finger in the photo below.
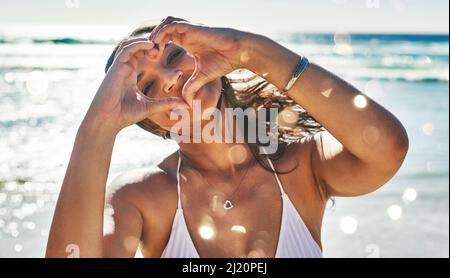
(128, 51)
(158, 27)
(165, 21)
(166, 104)
(171, 32)
(174, 27)
(152, 53)
(194, 83)
(128, 42)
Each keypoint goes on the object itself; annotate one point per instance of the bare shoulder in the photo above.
(142, 203)
(145, 188)
(298, 153)
(298, 156)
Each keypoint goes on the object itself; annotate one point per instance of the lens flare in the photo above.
(206, 232)
(37, 86)
(394, 212)
(237, 154)
(239, 229)
(427, 129)
(360, 101)
(349, 225)
(409, 195)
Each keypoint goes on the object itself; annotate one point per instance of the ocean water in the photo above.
(47, 83)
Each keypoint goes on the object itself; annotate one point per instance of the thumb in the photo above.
(194, 83)
(154, 106)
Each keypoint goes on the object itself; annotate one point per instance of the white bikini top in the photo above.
(295, 240)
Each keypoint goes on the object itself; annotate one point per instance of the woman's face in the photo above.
(165, 77)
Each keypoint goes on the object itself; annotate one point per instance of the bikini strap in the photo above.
(178, 180)
(276, 176)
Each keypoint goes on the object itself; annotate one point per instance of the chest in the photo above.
(250, 229)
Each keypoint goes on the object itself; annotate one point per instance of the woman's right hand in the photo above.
(118, 102)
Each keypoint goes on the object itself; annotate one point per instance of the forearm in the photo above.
(78, 218)
(369, 131)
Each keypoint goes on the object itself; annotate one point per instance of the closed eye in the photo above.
(148, 86)
(174, 55)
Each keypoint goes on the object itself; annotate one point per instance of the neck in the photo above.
(223, 158)
(216, 157)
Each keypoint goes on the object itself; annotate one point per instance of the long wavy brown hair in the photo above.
(244, 89)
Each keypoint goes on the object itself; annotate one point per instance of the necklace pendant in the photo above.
(228, 205)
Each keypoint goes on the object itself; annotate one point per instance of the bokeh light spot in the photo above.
(360, 101)
(239, 229)
(409, 195)
(18, 247)
(343, 44)
(37, 86)
(206, 232)
(349, 225)
(237, 154)
(373, 89)
(394, 212)
(427, 129)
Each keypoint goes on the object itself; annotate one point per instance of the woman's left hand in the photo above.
(217, 51)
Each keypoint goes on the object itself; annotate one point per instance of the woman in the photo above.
(216, 199)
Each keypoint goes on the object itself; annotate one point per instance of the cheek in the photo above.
(208, 96)
(164, 121)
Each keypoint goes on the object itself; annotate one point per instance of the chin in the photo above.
(209, 94)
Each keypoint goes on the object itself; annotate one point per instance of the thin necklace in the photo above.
(228, 204)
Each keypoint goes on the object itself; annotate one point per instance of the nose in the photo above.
(172, 81)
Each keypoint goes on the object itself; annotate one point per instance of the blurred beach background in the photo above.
(52, 56)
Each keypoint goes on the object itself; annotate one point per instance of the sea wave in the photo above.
(55, 41)
(424, 175)
(409, 58)
(328, 38)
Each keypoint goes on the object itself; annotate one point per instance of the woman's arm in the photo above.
(368, 144)
(78, 217)
(79, 212)
(118, 103)
(124, 220)
(364, 145)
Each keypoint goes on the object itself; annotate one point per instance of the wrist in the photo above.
(269, 59)
(249, 45)
(257, 51)
(94, 125)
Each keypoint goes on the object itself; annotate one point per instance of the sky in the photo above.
(366, 16)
